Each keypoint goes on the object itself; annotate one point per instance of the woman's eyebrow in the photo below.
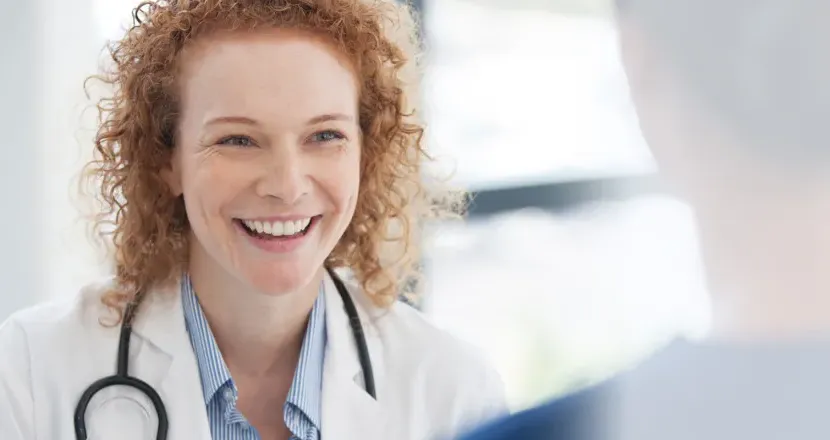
(232, 120)
(330, 117)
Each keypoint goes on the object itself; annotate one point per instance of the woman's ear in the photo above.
(172, 176)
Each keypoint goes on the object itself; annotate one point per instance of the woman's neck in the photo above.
(258, 334)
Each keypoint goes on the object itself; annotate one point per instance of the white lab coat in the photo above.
(429, 385)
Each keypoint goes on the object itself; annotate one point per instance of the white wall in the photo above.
(19, 105)
(47, 48)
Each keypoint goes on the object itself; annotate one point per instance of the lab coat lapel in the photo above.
(348, 411)
(162, 356)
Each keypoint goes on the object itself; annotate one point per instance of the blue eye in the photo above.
(327, 136)
(237, 141)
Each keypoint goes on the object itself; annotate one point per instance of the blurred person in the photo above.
(733, 98)
(252, 153)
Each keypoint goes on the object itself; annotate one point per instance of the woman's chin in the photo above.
(282, 279)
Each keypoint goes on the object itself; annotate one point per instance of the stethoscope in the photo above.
(122, 376)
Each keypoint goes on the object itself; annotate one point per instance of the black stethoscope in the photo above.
(123, 378)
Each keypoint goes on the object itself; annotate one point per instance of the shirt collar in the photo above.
(305, 394)
(212, 368)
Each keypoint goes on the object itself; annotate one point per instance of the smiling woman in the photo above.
(244, 161)
(252, 153)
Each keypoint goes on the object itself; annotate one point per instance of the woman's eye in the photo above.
(237, 141)
(327, 136)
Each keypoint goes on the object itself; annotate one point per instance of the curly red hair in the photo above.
(147, 224)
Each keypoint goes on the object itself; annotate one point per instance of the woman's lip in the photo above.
(280, 218)
(278, 245)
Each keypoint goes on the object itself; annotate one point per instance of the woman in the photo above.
(249, 147)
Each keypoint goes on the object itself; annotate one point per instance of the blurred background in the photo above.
(573, 263)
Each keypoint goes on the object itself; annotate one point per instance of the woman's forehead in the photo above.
(275, 74)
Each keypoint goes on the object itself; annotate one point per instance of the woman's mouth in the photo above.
(277, 230)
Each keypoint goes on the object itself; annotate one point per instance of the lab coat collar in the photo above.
(161, 355)
(348, 410)
(160, 320)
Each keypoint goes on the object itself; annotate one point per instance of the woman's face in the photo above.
(267, 154)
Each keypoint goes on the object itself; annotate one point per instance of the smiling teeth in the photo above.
(278, 229)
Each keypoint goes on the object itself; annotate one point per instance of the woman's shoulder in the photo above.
(414, 328)
(438, 349)
(421, 347)
(60, 317)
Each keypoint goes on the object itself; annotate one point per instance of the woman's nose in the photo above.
(283, 176)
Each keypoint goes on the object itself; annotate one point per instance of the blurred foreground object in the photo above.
(731, 97)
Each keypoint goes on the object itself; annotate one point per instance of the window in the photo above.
(520, 95)
(528, 102)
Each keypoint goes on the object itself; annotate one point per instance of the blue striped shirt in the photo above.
(301, 411)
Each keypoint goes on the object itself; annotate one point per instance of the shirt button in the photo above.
(229, 395)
